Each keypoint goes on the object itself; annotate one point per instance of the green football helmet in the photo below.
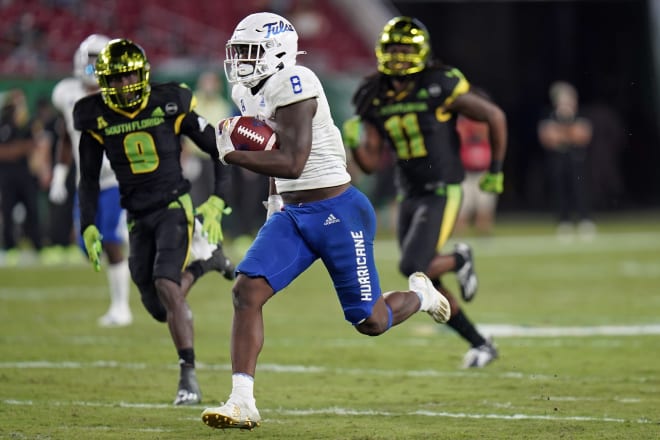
(119, 58)
(403, 31)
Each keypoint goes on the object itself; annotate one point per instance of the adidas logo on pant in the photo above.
(330, 220)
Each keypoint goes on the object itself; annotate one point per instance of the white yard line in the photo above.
(338, 411)
(510, 330)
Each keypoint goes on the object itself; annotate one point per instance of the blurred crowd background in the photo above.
(609, 50)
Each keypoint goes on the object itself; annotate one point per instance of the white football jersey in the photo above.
(326, 165)
(65, 95)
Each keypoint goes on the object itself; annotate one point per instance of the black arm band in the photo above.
(495, 166)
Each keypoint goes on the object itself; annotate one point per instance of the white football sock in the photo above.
(119, 279)
(242, 387)
(422, 307)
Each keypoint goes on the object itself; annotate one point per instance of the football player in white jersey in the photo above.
(313, 211)
(111, 219)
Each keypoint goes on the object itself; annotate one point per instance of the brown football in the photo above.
(252, 134)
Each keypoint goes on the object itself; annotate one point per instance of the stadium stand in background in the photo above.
(39, 36)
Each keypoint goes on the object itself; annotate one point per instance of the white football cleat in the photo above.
(433, 303)
(114, 319)
(232, 414)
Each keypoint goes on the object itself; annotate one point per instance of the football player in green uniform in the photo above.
(138, 125)
(411, 105)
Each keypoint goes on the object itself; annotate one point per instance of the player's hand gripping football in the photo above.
(212, 211)
(492, 182)
(223, 137)
(92, 238)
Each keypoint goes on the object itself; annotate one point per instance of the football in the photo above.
(251, 134)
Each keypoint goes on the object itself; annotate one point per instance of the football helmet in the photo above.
(85, 57)
(119, 58)
(261, 44)
(403, 31)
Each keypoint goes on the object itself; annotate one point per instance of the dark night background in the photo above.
(515, 50)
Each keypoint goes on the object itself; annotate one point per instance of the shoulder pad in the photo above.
(62, 91)
(87, 112)
(451, 79)
(291, 84)
(173, 92)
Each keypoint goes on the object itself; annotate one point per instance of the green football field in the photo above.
(577, 325)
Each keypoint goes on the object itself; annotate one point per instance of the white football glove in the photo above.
(58, 193)
(273, 204)
(223, 141)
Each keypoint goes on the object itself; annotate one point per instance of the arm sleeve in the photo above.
(222, 180)
(91, 157)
